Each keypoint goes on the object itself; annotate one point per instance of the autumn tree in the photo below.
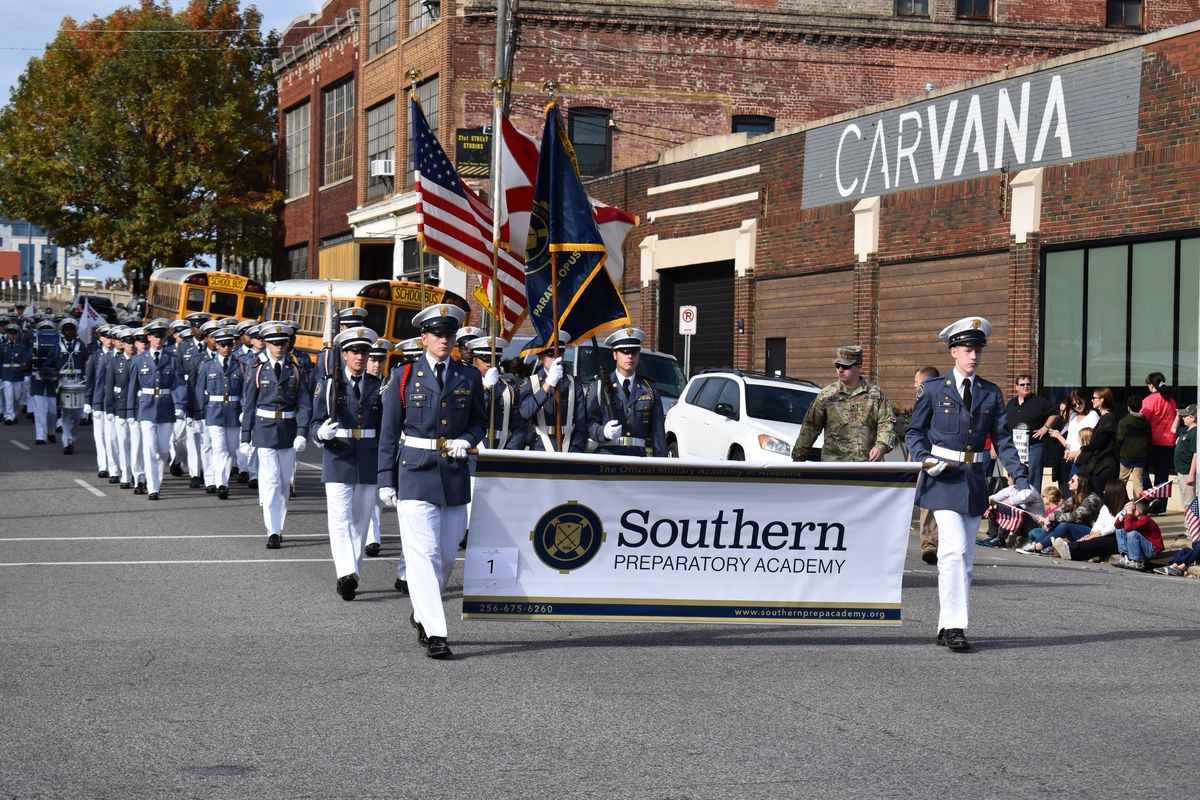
(148, 136)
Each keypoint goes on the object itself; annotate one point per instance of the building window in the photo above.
(912, 8)
(1127, 304)
(297, 263)
(381, 147)
(339, 132)
(296, 123)
(753, 124)
(973, 9)
(589, 129)
(381, 26)
(422, 14)
(1125, 13)
(428, 97)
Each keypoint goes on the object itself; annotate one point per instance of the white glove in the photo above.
(328, 430)
(491, 377)
(457, 448)
(612, 429)
(933, 467)
(246, 449)
(1005, 495)
(177, 428)
(87, 409)
(179, 413)
(387, 496)
(555, 373)
(1022, 496)
(190, 423)
(299, 443)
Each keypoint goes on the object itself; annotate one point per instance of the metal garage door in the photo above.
(814, 313)
(709, 287)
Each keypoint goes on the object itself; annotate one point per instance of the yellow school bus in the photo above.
(176, 292)
(390, 306)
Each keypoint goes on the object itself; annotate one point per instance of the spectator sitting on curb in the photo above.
(1138, 537)
(1033, 508)
(1076, 543)
(1083, 507)
(1179, 563)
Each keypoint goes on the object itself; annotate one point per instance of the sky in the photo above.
(24, 35)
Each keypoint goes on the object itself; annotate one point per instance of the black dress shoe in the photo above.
(941, 637)
(114, 479)
(346, 585)
(956, 640)
(222, 492)
(102, 473)
(210, 490)
(196, 482)
(243, 477)
(154, 495)
(253, 483)
(39, 441)
(439, 648)
(401, 586)
(273, 541)
(372, 549)
(141, 488)
(69, 449)
(422, 639)
(51, 438)
(292, 491)
(177, 470)
(126, 485)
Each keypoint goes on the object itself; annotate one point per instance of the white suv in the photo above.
(728, 414)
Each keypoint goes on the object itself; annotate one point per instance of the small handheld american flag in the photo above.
(1162, 491)
(1191, 518)
(1008, 517)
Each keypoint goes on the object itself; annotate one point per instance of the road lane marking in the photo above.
(21, 445)
(301, 463)
(155, 537)
(90, 488)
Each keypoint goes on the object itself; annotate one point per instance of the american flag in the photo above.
(1008, 517)
(456, 225)
(1163, 490)
(1191, 518)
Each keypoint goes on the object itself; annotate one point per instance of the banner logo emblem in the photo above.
(567, 537)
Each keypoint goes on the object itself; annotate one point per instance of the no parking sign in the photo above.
(687, 320)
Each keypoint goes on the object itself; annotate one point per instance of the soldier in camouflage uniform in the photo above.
(857, 419)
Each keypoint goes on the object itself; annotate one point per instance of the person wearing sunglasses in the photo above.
(1031, 418)
(1080, 415)
(858, 421)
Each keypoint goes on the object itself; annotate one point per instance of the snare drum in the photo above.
(72, 395)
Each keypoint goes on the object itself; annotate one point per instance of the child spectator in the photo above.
(1138, 537)
(1133, 442)
(1000, 537)
(1051, 499)
(1083, 508)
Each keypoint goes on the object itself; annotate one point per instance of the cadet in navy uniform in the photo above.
(115, 381)
(437, 404)
(276, 409)
(94, 406)
(376, 359)
(500, 395)
(345, 422)
(14, 364)
(331, 358)
(218, 390)
(156, 381)
(634, 424)
(952, 419)
(539, 396)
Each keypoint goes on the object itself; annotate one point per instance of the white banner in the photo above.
(587, 537)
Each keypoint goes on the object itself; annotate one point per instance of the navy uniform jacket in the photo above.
(506, 392)
(219, 392)
(167, 378)
(14, 360)
(116, 379)
(263, 393)
(640, 414)
(350, 460)
(455, 412)
(940, 418)
(95, 377)
(533, 399)
(190, 357)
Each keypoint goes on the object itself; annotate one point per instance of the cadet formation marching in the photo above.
(224, 402)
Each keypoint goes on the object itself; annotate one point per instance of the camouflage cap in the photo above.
(848, 355)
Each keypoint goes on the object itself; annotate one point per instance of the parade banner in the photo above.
(605, 538)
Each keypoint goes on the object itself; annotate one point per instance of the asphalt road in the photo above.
(153, 650)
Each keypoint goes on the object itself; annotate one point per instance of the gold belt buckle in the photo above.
(441, 443)
(356, 433)
(278, 414)
(969, 457)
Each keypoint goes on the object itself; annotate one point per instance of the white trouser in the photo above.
(25, 395)
(45, 411)
(70, 424)
(349, 516)
(100, 439)
(177, 448)
(156, 451)
(206, 453)
(12, 394)
(273, 468)
(956, 561)
(192, 434)
(373, 535)
(121, 435)
(430, 535)
(224, 445)
(112, 444)
(137, 456)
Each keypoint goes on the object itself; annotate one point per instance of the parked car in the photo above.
(103, 306)
(134, 313)
(728, 414)
(661, 368)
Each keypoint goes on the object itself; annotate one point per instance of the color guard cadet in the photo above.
(345, 422)
(542, 394)
(121, 410)
(437, 405)
(376, 361)
(72, 386)
(951, 422)
(500, 395)
(626, 417)
(308, 374)
(462, 341)
(276, 410)
(156, 381)
(219, 386)
(330, 357)
(14, 365)
(95, 381)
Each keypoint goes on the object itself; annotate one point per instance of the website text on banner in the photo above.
(586, 537)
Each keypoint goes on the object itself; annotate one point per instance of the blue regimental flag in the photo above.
(562, 224)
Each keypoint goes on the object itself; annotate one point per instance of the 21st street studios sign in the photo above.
(1083, 110)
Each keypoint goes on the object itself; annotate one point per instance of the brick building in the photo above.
(1057, 199)
(635, 80)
